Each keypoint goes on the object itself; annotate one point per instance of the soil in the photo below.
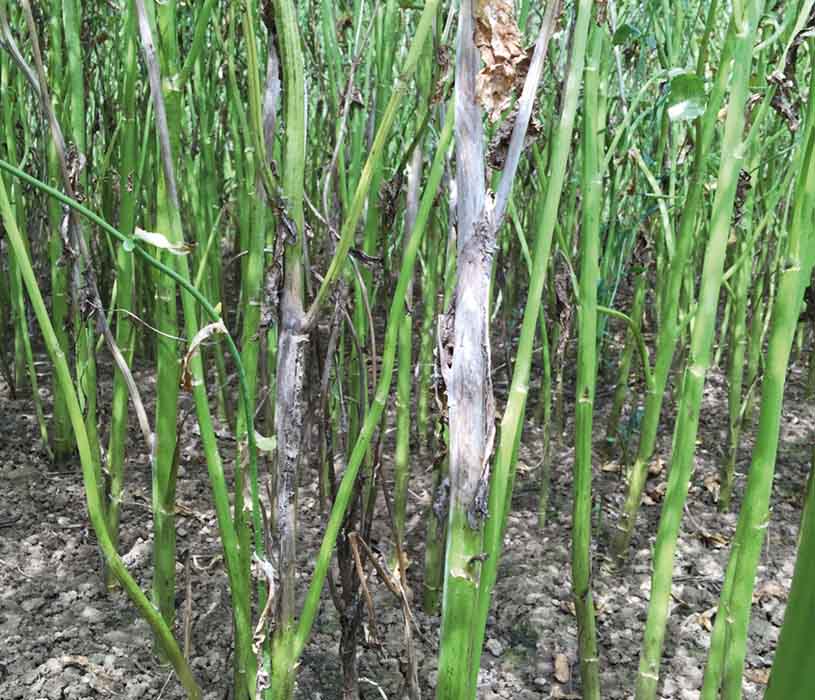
(63, 636)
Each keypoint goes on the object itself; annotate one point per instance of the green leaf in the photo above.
(686, 97)
(625, 34)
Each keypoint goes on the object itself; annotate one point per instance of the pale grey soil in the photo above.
(63, 637)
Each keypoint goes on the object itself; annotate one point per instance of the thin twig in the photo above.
(363, 582)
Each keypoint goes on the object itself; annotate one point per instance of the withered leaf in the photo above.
(768, 591)
(562, 671)
(159, 240)
(761, 676)
(265, 444)
(707, 617)
(656, 466)
(498, 39)
(202, 335)
(713, 486)
(655, 494)
(714, 540)
(499, 146)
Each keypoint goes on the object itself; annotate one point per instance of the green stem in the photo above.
(586, 379)
(217, 478)
(95, 506)
(687, 422)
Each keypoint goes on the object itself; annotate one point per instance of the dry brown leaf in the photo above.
(757, 675)
(611, 467)
(523, 468)
(655, 494)
(499, 146)
(712, 484)
(706, 618)
(768, 591)
(567, 606)
(75, 660)
(498, 38)
(183, 510)
(713, 539)
(656, 466)
(406, 562)
(99, 678)
(562, 671)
